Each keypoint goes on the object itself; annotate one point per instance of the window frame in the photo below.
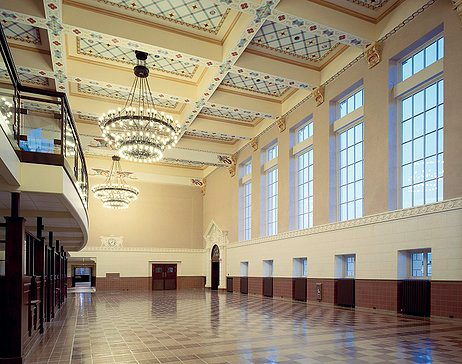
(353, 93)
(345, 262)
(267, 212)
(410, 270)
(297, 200)
(244, 181)
(411, 54)
(338, 169)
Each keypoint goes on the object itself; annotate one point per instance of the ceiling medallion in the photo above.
(138, 131)
(114, 192)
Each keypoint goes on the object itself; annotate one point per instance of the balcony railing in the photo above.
(39, 124)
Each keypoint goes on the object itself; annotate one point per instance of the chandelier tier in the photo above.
(115, 193)
(138, 131)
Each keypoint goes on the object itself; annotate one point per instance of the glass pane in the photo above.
(418, 171)
(440, 48)
(430, 54)
(430, 168)
(407, 69)
(407, 108)
(407, 152)
(406, 175)
(359, 99)
(359, 208)
(358, 170)
(430, 191)
(441, 92)
(359, 132)
(343, 109)
(440, 116)
(440, 141)
(419, 126)
(418, 62)
(407, 197)
(430, 96)
(418, 102)
(430, 144)
(351, 104)
(407, 130)
(418, 194)
(418, 148)
(430, 120)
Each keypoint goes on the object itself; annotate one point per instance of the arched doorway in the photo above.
(215, 267)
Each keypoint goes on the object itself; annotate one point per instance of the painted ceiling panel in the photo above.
(372, 4)
(255, 85)
(118, 94)
(112, 52)
(22, 32)
(27, 78)
(292, 41)
(229, 113)
(199, 14)
(209, 136)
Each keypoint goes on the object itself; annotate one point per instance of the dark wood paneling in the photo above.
(268, 286)
(244, 285)
(229, 284)
(415, 297)
(345, 292)
(299, 289)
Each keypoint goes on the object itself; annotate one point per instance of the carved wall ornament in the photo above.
(458, 7)
(111, 242)
(254, 143)
(319, 95)
(202, 183)
(232, 167)
(225, 159)
(373, 54)
(281, 124)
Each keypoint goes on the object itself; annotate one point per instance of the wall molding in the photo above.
(140, 250)
(443, 206)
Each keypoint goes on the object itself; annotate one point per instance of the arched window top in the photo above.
(215, 253)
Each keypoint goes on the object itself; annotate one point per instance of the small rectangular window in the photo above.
(351, 103)
(422, 59)
(247, 168)
(350, 266)
(304, 132)
(421, 264)
(272, 153)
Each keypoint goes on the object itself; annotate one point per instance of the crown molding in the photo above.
(439, 207)
(140, 250)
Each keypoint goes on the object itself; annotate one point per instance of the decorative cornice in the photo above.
(447, 205)
(141, 250)
(281, 122)
(319, 95)
(373, 54)
(458, 7)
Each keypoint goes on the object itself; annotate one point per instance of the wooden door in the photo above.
(215, 275)
(163, 276)
(157, 277)
(170, 276)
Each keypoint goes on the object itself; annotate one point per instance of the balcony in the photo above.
(41, 156)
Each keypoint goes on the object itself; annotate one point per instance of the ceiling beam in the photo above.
(236, 43)
(134, 33)
(40, 213)
(277, 70)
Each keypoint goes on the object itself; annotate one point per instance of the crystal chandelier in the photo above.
(114, 192)
(138, 131)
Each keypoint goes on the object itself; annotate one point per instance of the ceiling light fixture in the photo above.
(114, 192)
(138, 131)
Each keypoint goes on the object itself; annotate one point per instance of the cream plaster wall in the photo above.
(137, 262)
(376, 245)
(163, 216)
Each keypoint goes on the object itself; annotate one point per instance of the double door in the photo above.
(163, 276)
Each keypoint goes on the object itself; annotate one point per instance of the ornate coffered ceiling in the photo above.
(227, 69)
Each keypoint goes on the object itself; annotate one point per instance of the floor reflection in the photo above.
(196, 326)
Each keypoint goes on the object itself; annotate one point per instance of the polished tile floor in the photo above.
(195, 326)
